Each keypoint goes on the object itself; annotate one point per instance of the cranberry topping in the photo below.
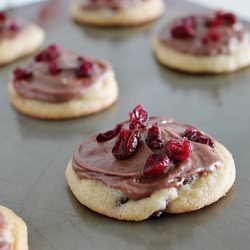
(196, 136)
(211, 36)
(183, 32)
(109, 134)
(189, 21)
(178, 150)
(226, 18)
(50, 53)
(3, 16)
(85, 68)
(154, 138)
(156, 164)
(127, 144)
(54, 68)
(22, 74)
(138, 117)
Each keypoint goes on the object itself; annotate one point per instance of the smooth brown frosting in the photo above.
(110, 4)
(3, 244)
(94, 160)
(231, 37)
(60, 87)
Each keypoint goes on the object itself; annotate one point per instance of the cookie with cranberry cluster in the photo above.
(215, 43)
(13, 231)
(147, 166)
(59, 84)
(116, 12)
(17, 38)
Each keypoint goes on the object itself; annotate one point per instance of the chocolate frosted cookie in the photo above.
(13, 231)
(61, 85)
(147, 166)
(17, 38)
(116, 12)
(215, 43)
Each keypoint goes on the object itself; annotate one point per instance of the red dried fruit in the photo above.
(154, 138)
(54, 68)
(213, 22)
(189, 21)
(102, 137)
(178, 150)
(138, 117)
(183, 32)
(227, 18)
(22, 74)
(50, 53)
(3, 16)
(85, 68)
(156, 164)
(127, 144)
(211, 36)
(14, 26)
(196, 136)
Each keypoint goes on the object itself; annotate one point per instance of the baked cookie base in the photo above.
(202, 64)
(25, 43)
(16, 230)
(204, 191)
(101, 96)
(144, 13)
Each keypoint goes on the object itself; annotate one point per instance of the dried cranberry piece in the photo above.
(127, 144)
(138, 117)
(54, 68)
(211, 36)
(178, 150)
(3, 16)
(156, 164)
(227, 18)
(50, 53)
(189, 21)
(22, 74)
(154, 138)
(196, 136)
(213, 22)
(109, 134)
(85, 68)
(14, 26)
(183, 32)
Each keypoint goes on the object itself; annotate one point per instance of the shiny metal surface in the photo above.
(34, 153)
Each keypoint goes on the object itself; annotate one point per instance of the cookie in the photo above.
(148, 166)
(212, 43)
(18, 39)
(13, 231)
(116, 13)
(61, 85)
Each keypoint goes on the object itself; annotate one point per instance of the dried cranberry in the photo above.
(156, 164)
(189, 21)
(22, 74)
(50, 53)
(183, 32)
(127, 144)
(213, 22)
(14, 26)
(3, 16)
(138, 117)
(178, 150)
(109, 134)
(211, 36)
(196, 136)
(54, 68)
(85, 68)
(154, 138)
(227, 18)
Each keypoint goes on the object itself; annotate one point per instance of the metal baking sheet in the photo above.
(34, 153)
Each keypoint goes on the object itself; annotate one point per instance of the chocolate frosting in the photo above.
(94, 160)
(62, 87)
(231, 38)
(3, 244)
(110, 4)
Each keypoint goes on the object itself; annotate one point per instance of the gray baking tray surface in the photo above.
(34, 153)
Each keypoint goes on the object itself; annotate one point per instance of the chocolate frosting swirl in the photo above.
(94, 160)
(61, 87)
(231, 37)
